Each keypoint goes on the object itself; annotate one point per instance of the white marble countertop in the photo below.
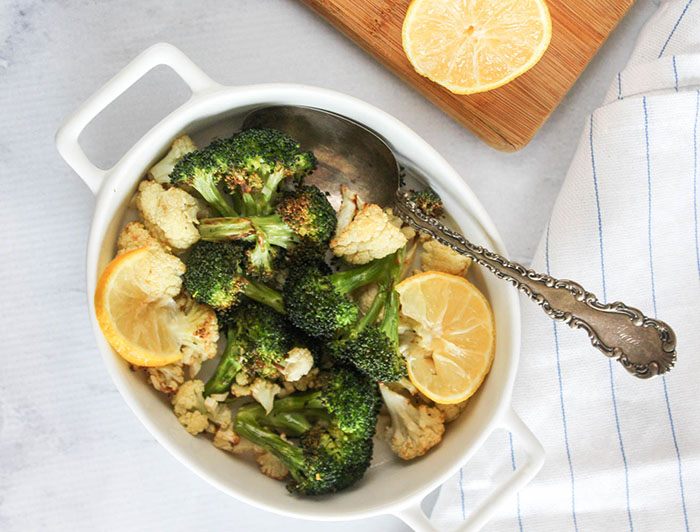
(72, 455)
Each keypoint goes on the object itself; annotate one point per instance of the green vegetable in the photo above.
(252, 165)
(215, 275)
(318, 303)
(373, 348)
(304, 218)
(258, 340)
(335, 426)
(427, 201)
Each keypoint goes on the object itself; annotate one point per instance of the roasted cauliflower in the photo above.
(162, 273)
(298, 363)
(414, 429)
(270, 465)
(199, 333)
(438, 257)
(170, 214)
(452, 412)
(264, 392)
(166, 379)
(225, 439)
(160, 172)
(370, 235)
(349, 206)
(197, 414)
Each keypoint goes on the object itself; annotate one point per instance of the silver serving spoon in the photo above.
(350, 154)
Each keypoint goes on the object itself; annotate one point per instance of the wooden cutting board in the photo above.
(506, 118)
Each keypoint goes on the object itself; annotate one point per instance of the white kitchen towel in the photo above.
(622, 453)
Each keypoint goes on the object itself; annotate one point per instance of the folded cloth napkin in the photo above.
(622, 453)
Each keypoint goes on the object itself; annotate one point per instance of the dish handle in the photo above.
(414, 517)
(69, 132)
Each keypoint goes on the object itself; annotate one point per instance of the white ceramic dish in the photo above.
(391, 487)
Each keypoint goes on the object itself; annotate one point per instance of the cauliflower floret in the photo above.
(162, 273)
(439, 257)
(135, 236)
(197, 414)
(170, 214)
(369, 236)
(194, 422)
(240, 387)
(264, 391)
(307, 382)
(414, 429)
(350, 204)
(451, 412)
(365, 295)
(246, 446)
(160, 172)
(166, 379)
(225, 439)
(199, 333)
(298, 363)
(270, 465)
(394, 220)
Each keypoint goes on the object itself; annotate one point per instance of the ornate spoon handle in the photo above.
(644, 346)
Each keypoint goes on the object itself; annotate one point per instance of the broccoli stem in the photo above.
(207, 188)
(227, 369)
(218, 229)
(247, 425)
(349, 280)
(269, 190)
(264, 294)
(389, 324)
(271, 227)
(390, 321)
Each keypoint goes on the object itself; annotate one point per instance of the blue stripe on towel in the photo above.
(561, 400)
(653, 297)
(461, 492)
(619, 85)
(605, 299)
(675, 73)
(651, 251)
(675, 26)
(512, 461)
(695, 179)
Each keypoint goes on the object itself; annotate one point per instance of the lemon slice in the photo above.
(473, 46)
(455, 332)
(140, 329)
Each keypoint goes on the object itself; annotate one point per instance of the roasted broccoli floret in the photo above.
(335, 425)
(304, 217)
(318, 303)
(427, 201)
(203, 169)
(258, 340)
(252, 164)
(373, 348)
(258, 160)
(215, 275)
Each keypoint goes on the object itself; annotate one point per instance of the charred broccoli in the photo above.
(215, 275)
(427, 201)
(318, 303)
(304, 217)
(251, 163)
(373, 348)
(258, 161)
(203, 169)
(335, 425)
(258, 340)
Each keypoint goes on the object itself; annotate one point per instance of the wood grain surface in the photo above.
(506, 118)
